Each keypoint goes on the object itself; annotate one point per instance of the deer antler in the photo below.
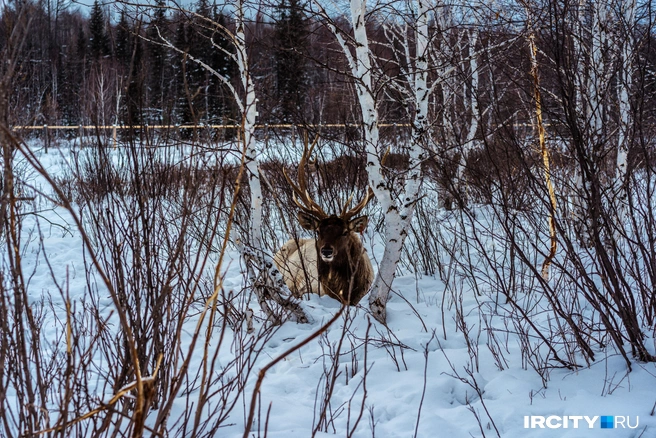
(347, 215)
(300, 191)
(302, 197)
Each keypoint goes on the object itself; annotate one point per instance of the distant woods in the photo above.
(108, 65)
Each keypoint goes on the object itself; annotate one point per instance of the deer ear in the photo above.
(308, 221)
(359, 224)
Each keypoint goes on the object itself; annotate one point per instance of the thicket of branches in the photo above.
(533, 159)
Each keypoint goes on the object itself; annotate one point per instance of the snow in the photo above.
(419, 367)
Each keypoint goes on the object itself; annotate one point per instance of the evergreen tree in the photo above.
(99, 43)
(81, 46)
(123, 49)
(221, 101)
(182, 109)
(201, 96)
(159, 63)
(69, 84)
(200, 46)
(201, 82)
(290, 59)
(134, 95)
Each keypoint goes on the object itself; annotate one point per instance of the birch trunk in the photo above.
(397, 213)
(590, 44)
(398, 216)
(249, 115)
(626, 43)
(533, 51)
(258, 260)
(393, 241)
(597, 72)
(473, 106)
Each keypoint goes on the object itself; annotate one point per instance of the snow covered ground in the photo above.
(421, 377)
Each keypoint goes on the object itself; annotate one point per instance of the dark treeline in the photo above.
(105, 67)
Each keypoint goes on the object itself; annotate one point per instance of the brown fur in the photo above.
(346, 277)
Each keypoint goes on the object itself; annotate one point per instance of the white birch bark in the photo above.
(609, 57)
(261, 262)
(447, 79)
(576, 200)
(397, 213)
(249, 115)
(473, 106)
(592, 70)
(597, 70)
(625, 42)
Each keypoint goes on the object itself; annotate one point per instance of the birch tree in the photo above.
(541, 132)
(461, 110)
(604, 50)
(472, 105)
(625, 42)
(455, 57)
(362, 67)
(265, 279)
(593, 68)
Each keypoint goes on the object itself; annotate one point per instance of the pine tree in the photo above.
(181, 67)
(158, 61)
(99, 41)
(220, 99)
(200, 47)
(290, 59)
(134, 95)
(81, 48)
(69, 84)
(123, 50)
(203, 84)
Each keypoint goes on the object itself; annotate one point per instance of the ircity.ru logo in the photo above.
(580, 421)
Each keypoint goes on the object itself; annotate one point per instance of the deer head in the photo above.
(334, 232)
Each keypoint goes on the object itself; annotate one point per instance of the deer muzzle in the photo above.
(327, 254)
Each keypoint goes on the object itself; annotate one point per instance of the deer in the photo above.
(334, 263)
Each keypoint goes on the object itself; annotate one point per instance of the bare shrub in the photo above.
(155, 246)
